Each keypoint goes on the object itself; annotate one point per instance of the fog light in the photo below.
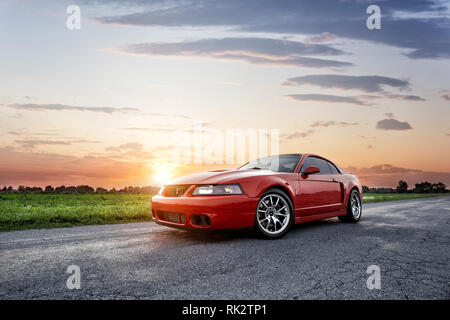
(200, 220)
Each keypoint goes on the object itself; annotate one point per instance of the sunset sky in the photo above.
(98, 105)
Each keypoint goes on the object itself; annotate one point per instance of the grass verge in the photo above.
(380, 197)
(30, 211)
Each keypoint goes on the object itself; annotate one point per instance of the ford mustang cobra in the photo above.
(268, 194)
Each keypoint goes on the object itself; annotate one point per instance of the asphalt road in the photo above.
(408, 240)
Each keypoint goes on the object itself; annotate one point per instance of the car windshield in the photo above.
(281, 163)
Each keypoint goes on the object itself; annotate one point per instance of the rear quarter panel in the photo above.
(350, 182)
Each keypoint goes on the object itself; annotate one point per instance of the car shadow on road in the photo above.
(246, 234)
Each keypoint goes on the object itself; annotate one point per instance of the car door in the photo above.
(319, 192)
(337, 178)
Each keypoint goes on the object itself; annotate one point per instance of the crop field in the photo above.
(28, 211)
(380, 197)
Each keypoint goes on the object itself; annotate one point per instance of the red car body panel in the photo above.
(314, 197)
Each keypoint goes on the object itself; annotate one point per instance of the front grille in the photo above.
(174, 217)
(175, 191)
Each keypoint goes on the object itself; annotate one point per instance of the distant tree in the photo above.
(33, 189)
(60, 189)
(365, 189)
(423, 187)
(101, 190)
(439, 187)
(71, 189)
(382, 190)
(129, 189)
(154, 190)
(137, 190)
(85, 189)
(113, 191)
(5, 189)
(49, 189)
(402, 187)
(21, 189)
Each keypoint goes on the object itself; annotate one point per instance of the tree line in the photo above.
(83, 189)
(402, 187)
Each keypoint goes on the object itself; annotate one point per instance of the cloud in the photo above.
(366, 137)
(345, 82)
(346, 19)
(297, 135)
(386, 169)
(62, 107)
(392, 124)
(321, 38)
(252, 50)
(404, 97)
(387, 175)
(34, 168)
(369, 84)
(126, 146)
(152, 129)
(445, 94)
(333, 123)
(315, 97)
(32, 143)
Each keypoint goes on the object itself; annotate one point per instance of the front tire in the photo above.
(354, 208)
(274, 214)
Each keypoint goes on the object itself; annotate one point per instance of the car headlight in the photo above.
(216, 190)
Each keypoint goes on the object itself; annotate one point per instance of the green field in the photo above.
(28, 211)
(380, 197)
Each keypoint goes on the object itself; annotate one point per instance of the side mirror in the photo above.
(311, 170)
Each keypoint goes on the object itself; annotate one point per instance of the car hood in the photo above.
(219, 176)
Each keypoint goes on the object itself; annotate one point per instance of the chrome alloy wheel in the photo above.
(273, 214)
(355, 205)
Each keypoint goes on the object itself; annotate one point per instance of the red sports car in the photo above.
(269, 194)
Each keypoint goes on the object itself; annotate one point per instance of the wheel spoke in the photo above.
(276, 220)
(275, 223)
(356, 206)
(268, 223)
(273, 214)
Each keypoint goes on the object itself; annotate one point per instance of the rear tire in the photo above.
(354, 208)
(274, 214)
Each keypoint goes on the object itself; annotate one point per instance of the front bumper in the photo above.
(222, 212)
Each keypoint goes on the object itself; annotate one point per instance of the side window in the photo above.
(320, 163)
(333, 168)
(308, 162)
